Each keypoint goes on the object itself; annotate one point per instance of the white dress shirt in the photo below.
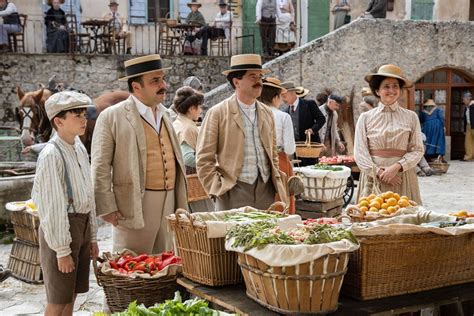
(285, 138)
(147, 113)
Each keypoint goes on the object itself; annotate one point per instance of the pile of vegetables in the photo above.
(176, 306)
(258, 235)
(144, 263)
(327, 167)
(320, 221)
(252, 216)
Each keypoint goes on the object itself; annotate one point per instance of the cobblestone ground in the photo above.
(445, 193)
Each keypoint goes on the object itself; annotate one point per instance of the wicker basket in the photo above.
(121, 291)
(309, 288)
(322, 189)
(25, 225)
(400, 264)
(196, 191)
(25, 262)
(437, 166)
(205, 259)
(308, 149)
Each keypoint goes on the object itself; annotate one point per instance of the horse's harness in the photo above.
(28, 112)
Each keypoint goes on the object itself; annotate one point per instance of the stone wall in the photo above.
(92, 74)
(342, 58)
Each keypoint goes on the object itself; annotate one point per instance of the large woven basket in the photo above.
(392, 265)
(308, 149)
(309, 288)
(205, 259)
(438, 166)
(25, 226)
(25, 262)
(322, 189)
(121, 291)
(195, 189)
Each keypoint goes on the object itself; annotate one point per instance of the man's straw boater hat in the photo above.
(390, 71)
(273, 82)
(245, 62)
(429, 102)
(194, 3)
(113, 2)
(301, 92)
(142, 65)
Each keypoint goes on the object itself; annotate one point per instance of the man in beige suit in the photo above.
(137, 167)
(237, 158)
(118, 24)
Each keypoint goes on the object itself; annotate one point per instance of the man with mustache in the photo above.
(237, 157)
(137, 167)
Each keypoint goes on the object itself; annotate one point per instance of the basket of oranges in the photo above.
(375, 207)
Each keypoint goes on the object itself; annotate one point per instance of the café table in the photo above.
(184, 31)
(99, 30)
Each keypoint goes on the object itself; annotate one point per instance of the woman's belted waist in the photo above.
(388, 153)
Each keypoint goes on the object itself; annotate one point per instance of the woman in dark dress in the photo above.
(57, 37)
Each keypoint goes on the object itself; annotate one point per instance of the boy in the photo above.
(64, 195)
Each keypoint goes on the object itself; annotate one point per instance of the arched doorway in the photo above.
(446, 87)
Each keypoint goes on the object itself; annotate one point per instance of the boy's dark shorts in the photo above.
(61, 287)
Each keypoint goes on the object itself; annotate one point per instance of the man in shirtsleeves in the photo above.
(237, 156)
(137, 167)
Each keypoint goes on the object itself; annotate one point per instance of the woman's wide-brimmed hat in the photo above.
(245, 62)
(222, 3)
(273, 82)
(113, 2)
(194, 3)
(390, 71)
(429, 102)
(142, 65)
(301, 92)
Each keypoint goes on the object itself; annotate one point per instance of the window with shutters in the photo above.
(422, 9)
(138, 11)
(158, 9)
(318, 18)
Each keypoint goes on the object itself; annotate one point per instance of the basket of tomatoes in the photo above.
(147, 279)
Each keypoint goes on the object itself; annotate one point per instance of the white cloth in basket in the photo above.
(290, 255)
(410, 224)
(317, 173)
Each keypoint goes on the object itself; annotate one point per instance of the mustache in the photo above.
(257, 85)
(162, 91)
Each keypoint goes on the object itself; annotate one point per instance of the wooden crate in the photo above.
(25, 262)
(307, 209)
(25, 226)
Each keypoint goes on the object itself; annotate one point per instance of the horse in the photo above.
(34, 123)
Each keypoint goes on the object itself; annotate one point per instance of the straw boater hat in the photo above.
(301, 92)
(245, 62)
(390, 71)
(273, 82)
(142, 65)
(113, 2)
(50, 2)
(194, 3)
(429, 102)
(290, 86)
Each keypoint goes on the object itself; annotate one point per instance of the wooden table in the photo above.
(99, 31)
(452, 300)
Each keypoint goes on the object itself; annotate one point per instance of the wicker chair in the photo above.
(78, 42)
(222, 44)
(17, 40)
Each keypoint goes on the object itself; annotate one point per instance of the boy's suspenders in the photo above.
(70, 200)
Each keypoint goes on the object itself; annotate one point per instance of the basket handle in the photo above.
(272, 208)
(96, 269)
(354, 211)
(308, 139)
(182, 211)
(342, 216)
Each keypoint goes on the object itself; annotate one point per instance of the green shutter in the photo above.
(422, 10)
(251, 42)
(318, 18)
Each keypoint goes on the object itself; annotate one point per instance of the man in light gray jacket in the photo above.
(328, 133)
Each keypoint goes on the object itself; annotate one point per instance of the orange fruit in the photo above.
(397, 207)
(396, 196)
(404, 197)
(391, 209)
(384, 212)
(364, 209)
(378, 199)
(371, 197)
(375, 204)
(384, 205)
(363, 203)
(403, 203)
(364, 198)
(373, 209)
(392, 202)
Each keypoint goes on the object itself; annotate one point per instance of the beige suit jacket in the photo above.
(119, 162)
(220, 147)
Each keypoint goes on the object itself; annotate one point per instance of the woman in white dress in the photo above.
(285, 140)
(285, 30)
